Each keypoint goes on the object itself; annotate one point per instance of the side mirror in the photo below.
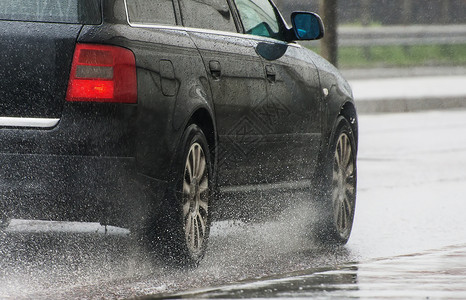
(307, 25)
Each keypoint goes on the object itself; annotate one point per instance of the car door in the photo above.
(169, 72)
(237, 79)
(291, 112)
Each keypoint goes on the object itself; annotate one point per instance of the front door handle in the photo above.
(215, 69)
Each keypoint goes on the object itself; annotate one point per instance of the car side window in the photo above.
(207, 14)
(60, 11)
(151, 12)
(259, 18)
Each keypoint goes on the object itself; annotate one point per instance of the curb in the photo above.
(408, 105)
(409, 94)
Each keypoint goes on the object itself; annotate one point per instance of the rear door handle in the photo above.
(215, 69)
(271, 74)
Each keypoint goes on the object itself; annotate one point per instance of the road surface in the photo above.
(409, 237)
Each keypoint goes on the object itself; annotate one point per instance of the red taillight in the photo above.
(102, 73)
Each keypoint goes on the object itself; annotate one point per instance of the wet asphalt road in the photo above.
(408, 241)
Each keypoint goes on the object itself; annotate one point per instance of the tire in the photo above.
(184, 228)
(338, 196)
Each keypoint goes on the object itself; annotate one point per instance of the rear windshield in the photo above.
(61, 11)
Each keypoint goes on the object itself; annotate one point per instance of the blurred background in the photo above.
(389, 33)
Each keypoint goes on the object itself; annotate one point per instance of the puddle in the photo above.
(428, 275)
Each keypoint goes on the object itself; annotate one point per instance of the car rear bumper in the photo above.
(82, 169)
(108, 190)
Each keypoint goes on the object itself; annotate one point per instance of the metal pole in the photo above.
(329, 44)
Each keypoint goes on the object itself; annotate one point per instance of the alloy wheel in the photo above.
(195, 198)
(344, 185)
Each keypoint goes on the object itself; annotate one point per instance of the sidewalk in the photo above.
(406, 94)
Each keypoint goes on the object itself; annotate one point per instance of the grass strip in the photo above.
(401, 56)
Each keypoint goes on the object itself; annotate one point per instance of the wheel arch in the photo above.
(348, 111)
(202, 118)
(345, 109)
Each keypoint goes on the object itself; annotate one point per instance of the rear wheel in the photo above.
(195, 198)
(184, 228)
(338, 199)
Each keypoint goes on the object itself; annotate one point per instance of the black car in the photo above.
(159, 115)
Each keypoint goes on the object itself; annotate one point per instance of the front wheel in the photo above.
(338, 199)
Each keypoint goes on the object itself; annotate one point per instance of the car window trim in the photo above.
(235, 34)
(236, 17)
(216, 32)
